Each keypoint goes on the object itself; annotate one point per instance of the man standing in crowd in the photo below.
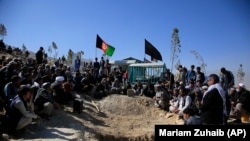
(227, 79)
(191, 75)
(39, 56)
(213, 105)
(200, 75)
(96, 68)
(77, 63)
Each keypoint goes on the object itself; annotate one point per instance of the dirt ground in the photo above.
(116, 117)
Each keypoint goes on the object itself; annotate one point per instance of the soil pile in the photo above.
(128, 106)
(130, 118)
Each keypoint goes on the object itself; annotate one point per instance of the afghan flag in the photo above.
(106, 48)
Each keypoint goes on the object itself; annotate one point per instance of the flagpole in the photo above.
(144, 54)
(95, 52)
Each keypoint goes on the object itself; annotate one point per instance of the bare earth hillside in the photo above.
(116, 117)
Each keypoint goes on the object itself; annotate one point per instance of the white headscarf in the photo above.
(222, 94)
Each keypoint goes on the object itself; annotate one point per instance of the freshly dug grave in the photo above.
(130, 118)
(128, 106)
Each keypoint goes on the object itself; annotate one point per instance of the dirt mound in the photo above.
(127, 106)
(130, 118)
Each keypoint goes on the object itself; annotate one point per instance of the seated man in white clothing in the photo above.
(184, 101)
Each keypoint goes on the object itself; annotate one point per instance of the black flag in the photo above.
(152, 51)
(99, 42)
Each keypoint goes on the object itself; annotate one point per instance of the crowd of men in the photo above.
(32, 89)
(200, 100)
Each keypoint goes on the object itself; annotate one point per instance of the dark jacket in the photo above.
(245, 99)
(42, 97)
(149, 91)
(14, 115)
(39, 57)
(235, 98)
(200, 76)
(212, 108)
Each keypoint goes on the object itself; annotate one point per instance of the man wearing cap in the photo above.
(59, 79)
(59, 94)
(204, 89)
(243, 104)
